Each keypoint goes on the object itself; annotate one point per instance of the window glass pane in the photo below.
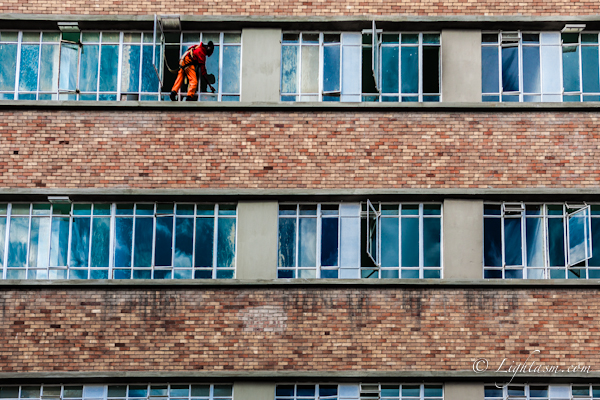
(390, 252)
(100, 242)
(535, 242)
(510, 69)
(431, 242)
(231, 69)
(307, 256)
(310, 69)
(226, 243)
(164, 241)
(489, 70)
(551, 69)
(48, 68)
(2, 239)
(17, 242)
(88, 80)
(556, 242)
(80, 242)
(390, 66)
(204, 242)
(59, 242)
(184, 242)
(39, 245)
(409, 69)
(329, 241)
(492, 242)
(130, 69)
(109, 64)
(410, 242)
(30, 392)
(431, 69)
(212, 65)
(512, 241)
(222, 390)
(149, 78)
(571, 68)
(28, 75)
(69, 54)
(578, 236)
(331, 68)
(142, 256)
(590, 72)
(8, 55)
(531, 69)
(123, 242)
(287, 242)
(289, 66)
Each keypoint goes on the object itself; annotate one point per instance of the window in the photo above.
(347, 241)
(108, 66)
(537, 241)
(534, 67)
(224, 64)
(362, 391)
(118, 391)
(341, 67)
(118, 241)
(539, 392)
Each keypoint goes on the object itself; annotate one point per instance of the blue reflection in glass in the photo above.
(88, 74)
(389, 70)
(571, 68)
(307, 256)
(510, 69)
(390, 251)
(109, 67)
(17, 242)
(512, 241)
(289, 68)
(100, 242)
(492, 242)
(28, 75)
(204, 242)
(123, 242)
(163, 249)
(149, 78)
(184, 242)
(130, 69)
(431, 242)
(80, 242)
(531, 69)
(556, 242)
(226, 243)
(331, 68)
(590, 72)
(287, 242)
(410, 242)
(142, 250)
(329, 241)
(59, 242)
(410, 69)
(489, 70)
(8, 55)
(535, 242)
(231, 69)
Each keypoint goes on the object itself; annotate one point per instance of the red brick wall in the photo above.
(308, 8)
(300, 329)
(316, 150)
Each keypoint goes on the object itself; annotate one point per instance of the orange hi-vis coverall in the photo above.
(193, 55)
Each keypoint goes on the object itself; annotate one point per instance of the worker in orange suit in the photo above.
(194, 55)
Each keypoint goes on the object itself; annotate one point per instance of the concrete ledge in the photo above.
(516, 284)
(295, 106)
(337, 376)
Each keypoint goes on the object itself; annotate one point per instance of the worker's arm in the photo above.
(205, 75)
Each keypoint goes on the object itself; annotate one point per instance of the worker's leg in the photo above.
(178, 81)
(193, 81)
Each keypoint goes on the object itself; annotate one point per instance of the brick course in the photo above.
(301, 8)
(298, 150)
(299, 329)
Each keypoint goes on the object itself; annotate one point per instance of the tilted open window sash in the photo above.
(165, 26)
(375, 57)
(369, 391)
(579, 235)
(373, 235)
(69, 64)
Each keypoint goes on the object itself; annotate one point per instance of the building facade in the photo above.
(380, 201)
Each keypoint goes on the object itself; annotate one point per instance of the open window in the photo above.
(369, 391)
(70, 50)
(168, 29)
(579, 235)
(373, 235)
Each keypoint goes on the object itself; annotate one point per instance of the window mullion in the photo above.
(153, 247)
(502, 219)
(319, 225)
(321, 66)
(220, 72)
(400, 241)
(98, 86)
(37, 87)
(194, 217)
(174, 230)
(421, 254)
(119, 69)
(6, 237)
(420, 63)
(89, 265)
(133, 239)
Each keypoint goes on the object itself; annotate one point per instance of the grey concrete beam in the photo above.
(118, 284)
(504, 194)
(362, 375)
(257, 240)
(166, 106)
